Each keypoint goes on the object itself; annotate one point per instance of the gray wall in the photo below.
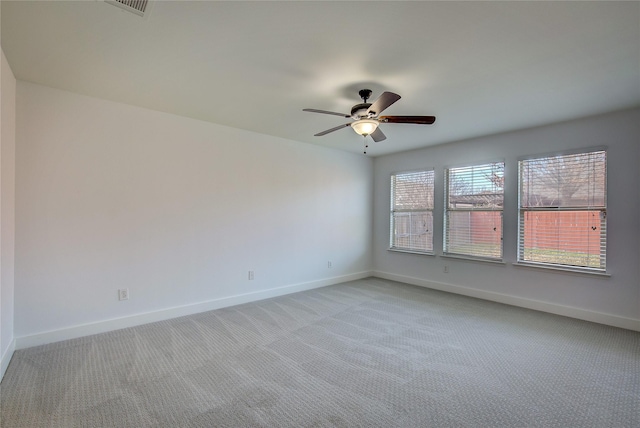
(614, 300)
(176, 210)
(7, 213)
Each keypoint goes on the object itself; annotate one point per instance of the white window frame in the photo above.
(562, 259)
(496, 194)
(398, 211)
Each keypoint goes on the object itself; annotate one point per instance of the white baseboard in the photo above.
(178, 311)
(567, 311)
(5, 359)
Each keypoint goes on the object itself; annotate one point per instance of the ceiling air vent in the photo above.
(134, 6)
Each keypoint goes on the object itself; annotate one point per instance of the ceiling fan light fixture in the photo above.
(365, 127)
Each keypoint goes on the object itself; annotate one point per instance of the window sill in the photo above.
(563, 269)
(419, 253)
(472, 259)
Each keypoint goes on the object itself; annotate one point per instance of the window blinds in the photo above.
(412, 211)
(563, 210)
(473, 210)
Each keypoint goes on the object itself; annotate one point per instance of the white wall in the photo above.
(7, 211)
(614, 300)
(176, 210)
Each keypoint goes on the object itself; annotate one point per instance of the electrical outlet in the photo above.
(123, 294)
(329, 266)
(446, 269)
(251, 275)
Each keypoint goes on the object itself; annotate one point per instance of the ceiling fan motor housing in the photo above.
(359, 111)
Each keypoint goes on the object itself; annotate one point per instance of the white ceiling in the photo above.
(480, 67)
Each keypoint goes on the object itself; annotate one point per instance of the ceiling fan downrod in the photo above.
(365, 94)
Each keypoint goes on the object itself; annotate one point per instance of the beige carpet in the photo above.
(368, 353)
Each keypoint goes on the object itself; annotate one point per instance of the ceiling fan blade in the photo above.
(313, 110)
(378, 135)
(320, 134)
(419, 120)
(383, 101)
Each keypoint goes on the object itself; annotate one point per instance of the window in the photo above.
(563, 214)
(412, 211)
(474, 197)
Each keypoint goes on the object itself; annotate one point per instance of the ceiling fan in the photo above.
(366, 116)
